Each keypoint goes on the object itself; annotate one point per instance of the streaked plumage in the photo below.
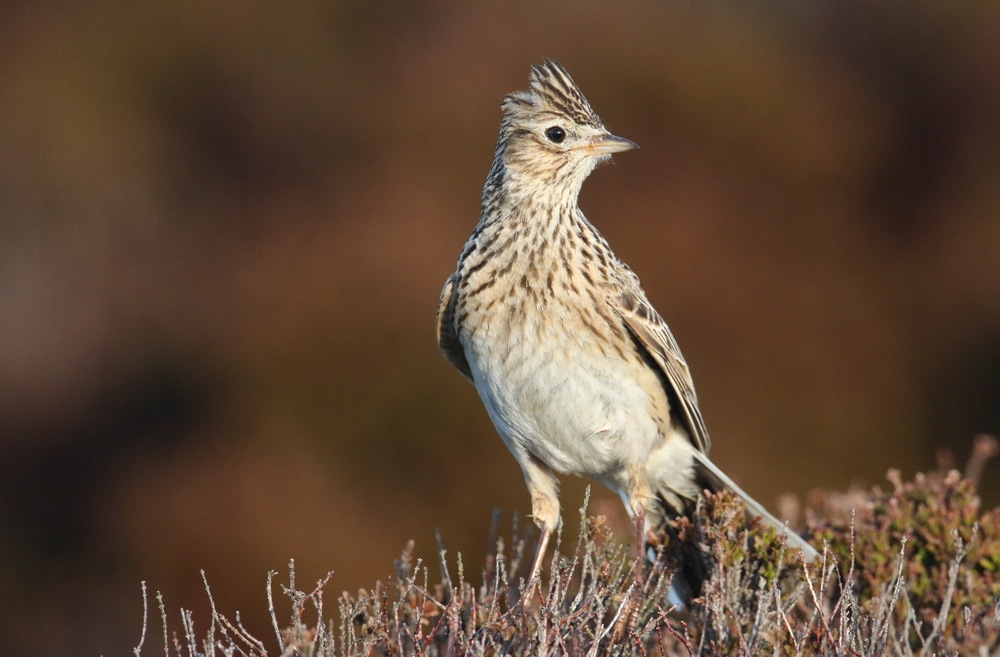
(578, 372)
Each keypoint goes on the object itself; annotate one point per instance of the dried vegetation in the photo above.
(911, 570)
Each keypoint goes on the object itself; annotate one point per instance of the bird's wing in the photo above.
(448, 341)
(652, 335)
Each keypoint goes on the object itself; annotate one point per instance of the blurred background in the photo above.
(224, 228)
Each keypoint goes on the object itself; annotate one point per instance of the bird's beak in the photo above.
(608, 143)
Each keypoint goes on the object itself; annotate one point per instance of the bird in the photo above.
(578, 372)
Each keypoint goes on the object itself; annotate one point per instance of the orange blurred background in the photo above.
(224, 228)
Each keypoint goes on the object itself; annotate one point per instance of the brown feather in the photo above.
(652, 334)
(448, 341)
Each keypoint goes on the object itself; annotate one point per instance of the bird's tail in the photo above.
(692, 568)
(718, 480)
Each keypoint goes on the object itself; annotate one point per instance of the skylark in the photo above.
(578, 372)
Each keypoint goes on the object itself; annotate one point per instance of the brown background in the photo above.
(224, 227)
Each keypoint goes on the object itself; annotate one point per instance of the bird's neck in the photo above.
(517, 197)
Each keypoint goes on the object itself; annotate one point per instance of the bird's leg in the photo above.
(640, 497)
(543, 488)
(536, 563)
(640, 543)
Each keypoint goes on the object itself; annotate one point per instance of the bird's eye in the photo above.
(555, 134)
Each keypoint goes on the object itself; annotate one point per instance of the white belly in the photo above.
(555, 395)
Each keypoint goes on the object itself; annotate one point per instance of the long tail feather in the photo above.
(719, 480)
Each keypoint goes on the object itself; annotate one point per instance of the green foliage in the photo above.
(914, 570)
(951, 552)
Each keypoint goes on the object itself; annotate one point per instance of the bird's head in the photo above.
(551, 134)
